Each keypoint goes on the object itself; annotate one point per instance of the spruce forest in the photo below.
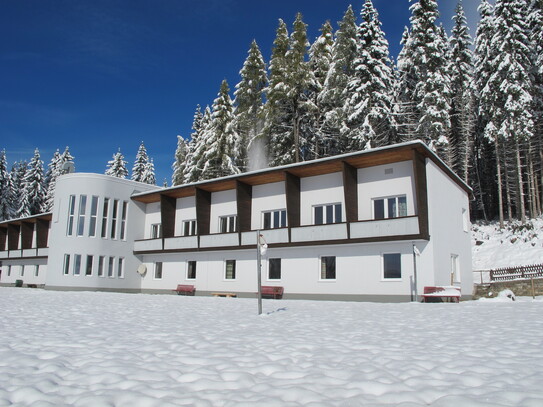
(475, 100)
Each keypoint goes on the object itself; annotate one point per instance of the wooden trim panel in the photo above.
(421, 192)
(292, 189)
(27, 230)
(203, 211)
(167, 215)
(13, 236)
(244, 195)
(42, 233)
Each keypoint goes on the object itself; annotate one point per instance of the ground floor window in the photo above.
(36, 270)
(9, 270)
(191, 270)
(110, 267)
(158, 270)
(274, 269)
(328, 267)
(88, 270)
(66, 264)
(120, 268)
(455, 269)
(101, 261)
(392, 266)
(77, 264)
(230, 272)
(22, 270)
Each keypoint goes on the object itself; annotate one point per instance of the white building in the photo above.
(344, 227)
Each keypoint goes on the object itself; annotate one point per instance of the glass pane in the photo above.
(223, 225)
(276, 219)
(392, 213)
(392, 265)
(191, 273)
(267, 220)
(275, 269)
(77, 264)
(318, 215)
(402, 206)
(110, 267)
(338, 213)
(100, 266)
(230, 269)
(283, 219)
(330, 214)
(328, 267)
(379, 209)
(88, 271)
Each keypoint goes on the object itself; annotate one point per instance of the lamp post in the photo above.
(416, 253)
(261, 247)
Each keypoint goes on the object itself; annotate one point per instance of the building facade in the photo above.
(361, 226)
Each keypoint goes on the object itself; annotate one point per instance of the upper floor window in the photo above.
(191, 270)
(81, 217)
(123, 219)
(114, 218)
(274, 219)
(156, 231)
(71, 214)
(392, 266)
(189, 228)
(393, 207)
(93, 216)
(330, 213)
(105, 211)
(227, 224)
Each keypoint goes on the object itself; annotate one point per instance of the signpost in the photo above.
(261, 248)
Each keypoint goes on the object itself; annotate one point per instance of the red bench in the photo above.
(185, 289)
(437, 294)
(272, 291)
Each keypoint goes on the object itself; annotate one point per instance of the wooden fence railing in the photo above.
(512, 273)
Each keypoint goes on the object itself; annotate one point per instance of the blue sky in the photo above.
(99, 75)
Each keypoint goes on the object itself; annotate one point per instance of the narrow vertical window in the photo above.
(465, 220)
(191, 270)
(123, 219)
(71, 214)
(120, 268)
(105, 211)
(110, 267)
(88, 269)
(318, 215)
(36, 270)
(101, 261)
(66, 264)
(328, 267)
(9, 270)
(274, 266)
(158, 270)
(93, 216)
(81, 217)
(77, 264)
(22, 270)
(230, 272)
(114, 218)
(156, 231)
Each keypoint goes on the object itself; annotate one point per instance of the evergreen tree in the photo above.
(249, 97)
(462, 94)
(201, 127)
(19, 201)
(34, 191)
(369, 106)
(117, 166)
(53, 172)
(180, 163)
(335, 91)
(140, 164)
(221, 140)
(5, 198)
(148, 176)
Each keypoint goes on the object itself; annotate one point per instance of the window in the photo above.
(120, 268)
(71, 214)
(101, 261)
(36, 270)
(227, 224)
(105, 210)
(393, 207)
(274, 269)
(93, 216)
(158, 270)
(66, 264)
(392, 266)
(123, 219)
(189, 227)
(465, 220)
(77, 264)
(110, 267)
(191, 270)
(9, 270)
(455, 269)
(274, 219)
(230, 272)
(328, 267)
(81, 217)
(156, 231)
(114, 218)
(88, 269)
(22, 270)
(330, 213)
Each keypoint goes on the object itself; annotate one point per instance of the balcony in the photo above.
(385, 227)
(30, 252)
(334, 231)
(4, 254)
(182, 242)
(148, 245)
(270, 235)
(220, 240)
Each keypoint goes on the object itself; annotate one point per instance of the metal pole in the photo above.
(415, 273)
(259, 272)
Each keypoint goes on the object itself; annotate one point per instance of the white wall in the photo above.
(29, 276)
(319, 190)
(185, 210)
(374, 183)
(267, 197)
(223, 203)
(152, 216)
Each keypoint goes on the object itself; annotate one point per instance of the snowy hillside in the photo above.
(515, 245)
(112, 349)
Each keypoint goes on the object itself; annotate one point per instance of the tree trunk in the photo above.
(520, 182)
(500, 182)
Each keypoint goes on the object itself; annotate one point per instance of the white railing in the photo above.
(220, 239)
(182, 242)
(333, 231)
(270, 235)
(147, 245)
(385, 227)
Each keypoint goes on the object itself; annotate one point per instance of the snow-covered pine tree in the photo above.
(34, 191)
(511, 76)
(369, 106)
(140, 164)
(5, 198)
(332, 98)
(197, 146)
(249, 97)
(148, 176)
(117, 166)
(405, 106)
(19, 203)
(320, 58)
(462, 118)
(220, 157)
(53, 171)
(180, 162)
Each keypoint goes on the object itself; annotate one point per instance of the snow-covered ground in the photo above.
(515, 245)
(110, 349)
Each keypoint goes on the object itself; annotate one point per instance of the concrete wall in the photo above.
(223, 203)
(320, 190)
(267, 197)
(185, 210)
(15, 267)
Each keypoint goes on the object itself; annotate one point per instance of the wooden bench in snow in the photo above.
(439, 293)
(228, 295)
(272, 291)
(185, 289)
